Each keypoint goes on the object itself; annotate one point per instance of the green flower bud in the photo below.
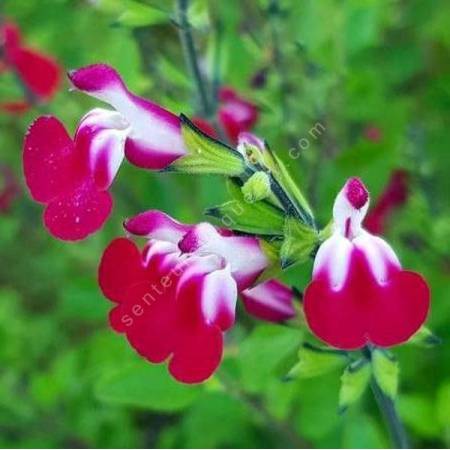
(257, 187)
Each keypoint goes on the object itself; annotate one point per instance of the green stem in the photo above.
(190, 55)
(388, 410)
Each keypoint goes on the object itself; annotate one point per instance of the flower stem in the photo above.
(388, 410)
(190, 55)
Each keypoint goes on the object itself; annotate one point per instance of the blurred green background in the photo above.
(67, 380)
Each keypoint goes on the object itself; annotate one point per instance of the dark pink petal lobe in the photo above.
(79, 213)
(364, 311)
(121, 266)
(148, 319)
(51, 164)
(197, 355)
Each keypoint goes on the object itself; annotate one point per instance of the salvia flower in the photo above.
(40, 73)
(359, 294)
(177, 297)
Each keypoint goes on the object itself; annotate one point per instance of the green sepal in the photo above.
(354, 382)
(259, 218)
(286, 180)
(315, 361)
(425, 338)
(385, 370)
(299, 243)
(257, 187)
(206, 155)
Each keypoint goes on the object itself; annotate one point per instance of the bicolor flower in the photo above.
(177, 297)
(393, 197)
(71, 176)
(271, 301)
(360, 294)
(40, 73)
(9, 188)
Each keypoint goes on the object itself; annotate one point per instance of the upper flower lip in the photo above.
(356, 192)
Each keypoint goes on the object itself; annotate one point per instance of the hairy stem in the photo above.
(190, 55)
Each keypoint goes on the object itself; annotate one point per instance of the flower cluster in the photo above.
(177, 296)
(39, 73)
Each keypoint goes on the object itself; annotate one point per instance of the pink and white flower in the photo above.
(271, 301)
(71, 176)
(359, 293)
(177, 297)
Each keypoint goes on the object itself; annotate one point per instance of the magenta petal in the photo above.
(79, 213)
(157, 225)
(121, 266)
(271, 301)
(51, 164)
(197, 355)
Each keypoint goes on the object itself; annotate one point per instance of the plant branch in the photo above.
(190, 55)
(389, 412)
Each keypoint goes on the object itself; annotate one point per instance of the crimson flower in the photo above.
(393, 197)
(359, 293)
(177, 297)
(39, 73)
(9, 188)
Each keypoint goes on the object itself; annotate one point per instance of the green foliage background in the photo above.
(67, 380)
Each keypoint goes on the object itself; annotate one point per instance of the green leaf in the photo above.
(263, 353)
(146, 386)
(315, 361)
(419, 413)
(299, 242)
(206, 155)
(386, 371)
(354, 381)
(139, 15)
(256, 218)
(425, 338)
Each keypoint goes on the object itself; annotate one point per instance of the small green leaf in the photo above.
(146, 386)
(139, 15)
(354, 381)
(257, 187)
(425, 338)
(257, 218)
(206, 155)
(315, 361)
(299, 242)
(385, 370)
